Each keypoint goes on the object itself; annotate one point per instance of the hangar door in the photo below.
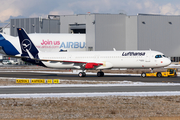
(77, 28)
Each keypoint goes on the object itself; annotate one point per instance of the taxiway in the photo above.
(90, 77)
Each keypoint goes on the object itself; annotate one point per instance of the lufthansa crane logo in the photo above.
(26, 44)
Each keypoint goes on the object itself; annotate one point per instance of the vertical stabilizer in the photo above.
(26, 43)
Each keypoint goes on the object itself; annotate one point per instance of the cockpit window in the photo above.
(164, 56)
(158, 56)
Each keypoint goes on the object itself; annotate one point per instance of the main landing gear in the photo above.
(83, 74)
(100, 74)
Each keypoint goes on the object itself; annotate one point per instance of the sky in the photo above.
(35, 8)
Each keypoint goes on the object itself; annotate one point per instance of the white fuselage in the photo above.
(109, 59)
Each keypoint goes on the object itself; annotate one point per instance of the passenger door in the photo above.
(148, 57)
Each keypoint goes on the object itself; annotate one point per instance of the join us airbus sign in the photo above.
(59, 44)
(73, 45)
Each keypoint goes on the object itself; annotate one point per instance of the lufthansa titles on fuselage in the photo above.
(133, 54)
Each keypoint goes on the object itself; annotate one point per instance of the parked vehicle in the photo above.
(9, 62)
(170, 72)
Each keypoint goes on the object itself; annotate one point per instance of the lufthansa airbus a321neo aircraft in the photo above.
(89, 60)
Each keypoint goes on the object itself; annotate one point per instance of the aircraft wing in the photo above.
(85, 64)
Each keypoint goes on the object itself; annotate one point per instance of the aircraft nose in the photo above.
(168, 61)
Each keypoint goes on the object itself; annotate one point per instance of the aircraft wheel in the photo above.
(82, 74)
(100, 74)
(143, 75)
(159, 74)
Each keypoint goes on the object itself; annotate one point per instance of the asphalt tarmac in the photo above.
(30, 90)
(88, 77)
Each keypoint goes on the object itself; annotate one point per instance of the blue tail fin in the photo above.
(7, 47)
(26, 43)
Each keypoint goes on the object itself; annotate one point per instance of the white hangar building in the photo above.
(108, 31)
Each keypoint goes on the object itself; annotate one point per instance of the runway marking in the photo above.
(38, 81)
(22, 80)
